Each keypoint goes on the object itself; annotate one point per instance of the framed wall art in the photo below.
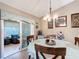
(75, 20)
(50, 24)
(61, 21)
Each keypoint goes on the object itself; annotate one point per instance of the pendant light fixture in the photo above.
(48, 17)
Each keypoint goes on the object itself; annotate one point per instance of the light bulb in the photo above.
(55, 17)
(49, 19)
(46, 17)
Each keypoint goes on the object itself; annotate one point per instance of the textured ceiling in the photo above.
(36, 7)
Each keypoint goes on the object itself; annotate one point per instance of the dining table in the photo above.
(72, 51)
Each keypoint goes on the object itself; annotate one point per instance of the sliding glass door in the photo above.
(11, 28)
(11, 37)
(26, 30)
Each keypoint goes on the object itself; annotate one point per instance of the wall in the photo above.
(0, 34)
(69, 32)
(16, 11)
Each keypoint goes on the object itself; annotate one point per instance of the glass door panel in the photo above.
(11, 37)
(26, 30)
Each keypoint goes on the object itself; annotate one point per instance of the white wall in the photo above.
(0, 39)
(69, 32)
(0, 34)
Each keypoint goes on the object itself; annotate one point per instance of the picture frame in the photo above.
(75, 20)
(37, 26)
(50, 24)
(61, 21)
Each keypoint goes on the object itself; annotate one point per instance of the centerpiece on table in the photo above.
(60, 35)
(50, 41)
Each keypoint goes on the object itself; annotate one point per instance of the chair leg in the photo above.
(78, 43)
(63, 57)
(75, 42)
(37, 57)
(55, 57)
(43, 55)
(29, 57)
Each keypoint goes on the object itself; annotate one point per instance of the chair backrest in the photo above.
(53, 36)
(30, 38)
(47, 36)
(49, 50)
(76, 40)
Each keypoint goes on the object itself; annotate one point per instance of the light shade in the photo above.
(47, 17)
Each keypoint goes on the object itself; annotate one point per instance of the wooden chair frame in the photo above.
(76, 40)
(48, 50)
(30, 38)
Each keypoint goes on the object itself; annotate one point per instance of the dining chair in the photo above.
(30, 38)
(47, 36)
(53, 36)
(48, 50)
(76, 40)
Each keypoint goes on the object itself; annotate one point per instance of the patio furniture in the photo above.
(15, 39)
(7, 41)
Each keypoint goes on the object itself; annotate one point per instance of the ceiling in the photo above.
(37, 8)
